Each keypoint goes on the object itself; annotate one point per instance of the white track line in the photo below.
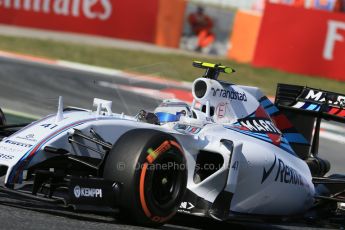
(333, 137)
(21, 114)
(332, 127)
(152, 93)
(134, 77)
(333, 132)
(90, 68)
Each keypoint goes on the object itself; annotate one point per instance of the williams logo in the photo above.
(266, 174)
(186, 207)
(284, 174)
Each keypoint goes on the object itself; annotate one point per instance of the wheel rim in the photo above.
(166, 181)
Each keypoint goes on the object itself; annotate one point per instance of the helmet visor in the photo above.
(167, 117)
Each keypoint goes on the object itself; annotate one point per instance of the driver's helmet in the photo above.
(171, 110)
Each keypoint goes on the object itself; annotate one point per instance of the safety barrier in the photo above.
(130, 19)
(289, 38)
(302, 41)
(244, 36)
(170, 23)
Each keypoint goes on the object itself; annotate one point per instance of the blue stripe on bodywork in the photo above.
(295, 138)
(306, 105)
(284, 146)
(311, 107)
(271, 110)
(266, 103)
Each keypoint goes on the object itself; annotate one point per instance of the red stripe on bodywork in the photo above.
(261, 113)
(333, 111)
(282, 122)
(342, 113)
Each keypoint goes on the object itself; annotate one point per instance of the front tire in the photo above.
(151, 168)
(2, 118)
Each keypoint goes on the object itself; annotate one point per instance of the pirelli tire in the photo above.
(2, 118)
(151, 168)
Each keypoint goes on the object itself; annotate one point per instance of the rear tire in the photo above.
(151, 168)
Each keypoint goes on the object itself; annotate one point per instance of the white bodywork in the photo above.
(263, 178)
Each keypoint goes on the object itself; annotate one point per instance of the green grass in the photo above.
(166, 65)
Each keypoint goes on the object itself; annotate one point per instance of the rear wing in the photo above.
(310, 101)
(305, 107)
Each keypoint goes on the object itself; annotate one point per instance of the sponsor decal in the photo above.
(187, 129)
(229, 94)
(9, 149)
(50, 126)
(153, 154)
(6, 157)
(18, 143)
(87, 192)
(259, 125)
(284, 174)
(186, 207)
(91, 9)
(76, 191)
(235, 165)
(209, 119)
(332, 38)
(29, 137)
(267, 173)
(320, 96)
(221, 110)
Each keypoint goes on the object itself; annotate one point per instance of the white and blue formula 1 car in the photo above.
(231, 155)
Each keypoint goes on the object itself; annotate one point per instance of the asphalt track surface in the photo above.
(34, 88)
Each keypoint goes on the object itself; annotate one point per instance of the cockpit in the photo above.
(171, 110)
